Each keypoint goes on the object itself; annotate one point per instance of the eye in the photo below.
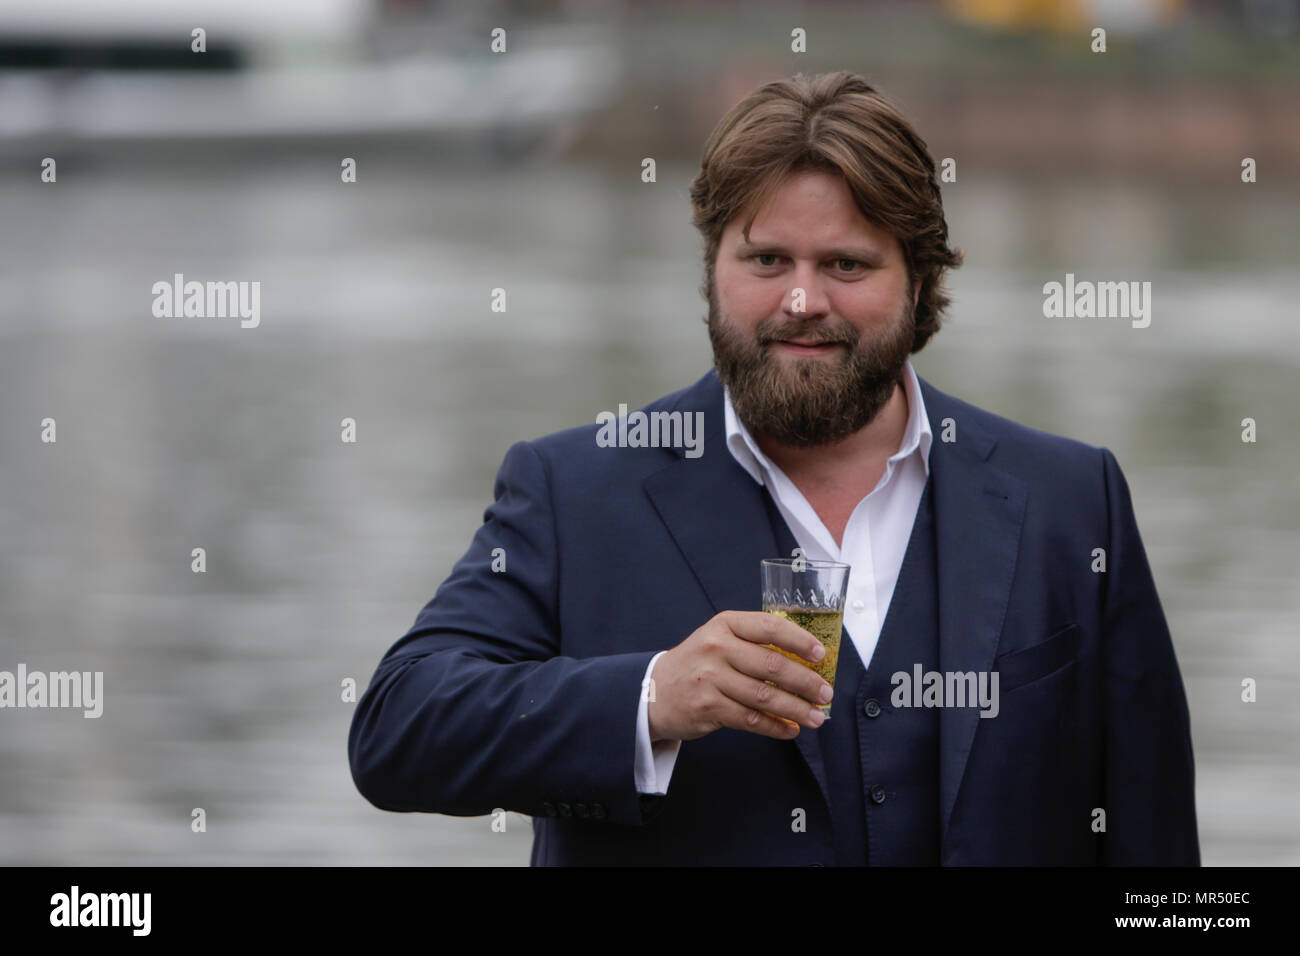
(766, 255)
(852, 262)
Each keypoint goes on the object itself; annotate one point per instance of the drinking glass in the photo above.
(810, 593)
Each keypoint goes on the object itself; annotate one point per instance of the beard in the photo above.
(814, 400)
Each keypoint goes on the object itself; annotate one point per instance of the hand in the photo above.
(715, 678)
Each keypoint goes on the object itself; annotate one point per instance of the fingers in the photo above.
(756, 694)
(732, 675)
(766, 664)
(759, 627)
(736, 715)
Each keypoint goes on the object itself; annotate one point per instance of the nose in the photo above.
(815, 302)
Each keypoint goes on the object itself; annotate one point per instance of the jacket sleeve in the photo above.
(475, 708)
(1149, 793)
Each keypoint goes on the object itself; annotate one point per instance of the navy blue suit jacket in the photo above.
(518, 689)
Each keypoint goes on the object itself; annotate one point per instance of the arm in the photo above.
(475, 708)
(1149, 788)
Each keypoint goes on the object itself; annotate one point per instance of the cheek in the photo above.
(747, 300)
(870, 301)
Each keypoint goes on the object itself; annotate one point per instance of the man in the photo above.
(596, 659)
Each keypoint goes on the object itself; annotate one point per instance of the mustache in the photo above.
(768, 332)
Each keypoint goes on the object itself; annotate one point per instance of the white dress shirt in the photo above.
(874, 542)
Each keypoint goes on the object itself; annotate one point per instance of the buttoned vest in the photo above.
(881, 761)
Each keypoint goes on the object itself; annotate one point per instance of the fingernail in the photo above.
(816, 716)
(818, 652)
(827, 693)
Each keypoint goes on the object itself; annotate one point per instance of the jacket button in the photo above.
(816, 864)
(598, 811)
(548, 808)
(580, 810)
(877, 794)
(564, 809)
(872, 707)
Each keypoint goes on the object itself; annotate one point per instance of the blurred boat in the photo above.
(74, 73)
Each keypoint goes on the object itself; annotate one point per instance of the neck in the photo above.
(872, 443)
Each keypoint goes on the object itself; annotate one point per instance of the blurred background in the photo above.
(522, 170)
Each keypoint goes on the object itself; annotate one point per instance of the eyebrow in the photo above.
(838, 252)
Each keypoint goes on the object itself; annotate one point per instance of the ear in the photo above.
(916, 292)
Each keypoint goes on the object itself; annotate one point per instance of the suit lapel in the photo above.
(978, 514)
(717, 515)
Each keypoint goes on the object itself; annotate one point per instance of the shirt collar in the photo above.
(917, 436)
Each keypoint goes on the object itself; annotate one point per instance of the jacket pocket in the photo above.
(1039, 660)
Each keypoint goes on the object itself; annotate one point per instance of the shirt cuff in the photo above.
(654, 762)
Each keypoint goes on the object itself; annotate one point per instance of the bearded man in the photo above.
(598, 659)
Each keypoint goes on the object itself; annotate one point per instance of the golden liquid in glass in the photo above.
(826, 626)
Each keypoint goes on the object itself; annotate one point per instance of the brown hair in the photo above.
(838, 123)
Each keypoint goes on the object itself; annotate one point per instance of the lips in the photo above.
(807, 343)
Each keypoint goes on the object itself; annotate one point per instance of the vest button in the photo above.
(872, 707)
(877, 794)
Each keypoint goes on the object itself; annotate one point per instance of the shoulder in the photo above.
(1031, 454)
(585, 453)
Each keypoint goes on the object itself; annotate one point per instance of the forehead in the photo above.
(809, 210)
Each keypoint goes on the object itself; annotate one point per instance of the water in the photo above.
(223, 689)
